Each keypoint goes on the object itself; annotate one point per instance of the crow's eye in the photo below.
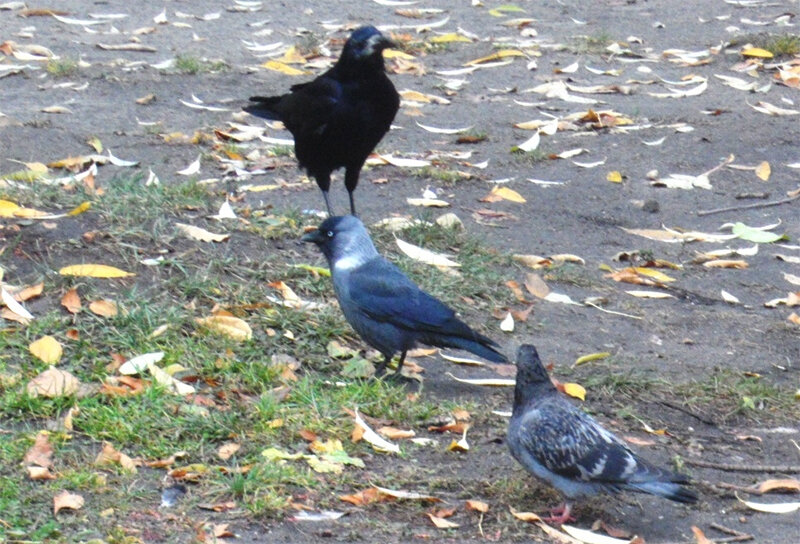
(330, 234)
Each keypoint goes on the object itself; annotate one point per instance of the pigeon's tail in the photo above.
(669, 490)
(264, 107)
(480, 346)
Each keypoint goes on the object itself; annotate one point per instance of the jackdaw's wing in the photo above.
(382, 292)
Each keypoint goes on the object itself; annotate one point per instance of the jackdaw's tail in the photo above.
(479, 345)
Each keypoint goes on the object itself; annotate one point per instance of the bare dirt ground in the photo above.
(693, 342)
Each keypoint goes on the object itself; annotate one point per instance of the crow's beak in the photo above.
(315, 237)
(386, 43)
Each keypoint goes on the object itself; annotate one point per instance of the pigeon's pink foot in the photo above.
(560, 515)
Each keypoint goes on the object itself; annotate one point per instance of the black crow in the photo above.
(562, 445)
(338, 118)
(385, 308)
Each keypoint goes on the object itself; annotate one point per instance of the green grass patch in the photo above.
(190, 65)
(63, 67)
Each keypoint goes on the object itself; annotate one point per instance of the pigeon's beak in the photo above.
(315, 237)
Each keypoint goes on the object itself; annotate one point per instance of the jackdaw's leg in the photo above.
(400, 363)
(381, 368)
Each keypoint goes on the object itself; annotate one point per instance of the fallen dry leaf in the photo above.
(41, 453)
(65, 499)
(94, 271)
(229, 326)
(53, 383)
(71, 301)
(104, 308)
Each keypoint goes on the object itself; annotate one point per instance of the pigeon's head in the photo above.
(366, 44)
(344, 241)
(532, 378)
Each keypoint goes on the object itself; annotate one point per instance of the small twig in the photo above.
(688, 412)
(734, 487)
(727, 467)
(749, 206)
(738, 536)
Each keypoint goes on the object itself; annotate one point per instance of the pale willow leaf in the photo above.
(174, 385)
(192, 169)
(729, 298)
(559, 297)
(461, 360)
(437, 130)
(201, 234)
(424, 255)
(428, 202)
(403, 163)
(590, 537)
(773, 508)
(530, 144)
(374, 439)
(507, 325)
(138, 364)
(486, 382)
(649, 294)
(13, 305)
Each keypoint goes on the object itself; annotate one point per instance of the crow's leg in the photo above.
(352, 204)
(560, 514)
(327, 203)
(350, 181)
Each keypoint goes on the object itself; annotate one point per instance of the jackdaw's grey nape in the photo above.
(385, 308)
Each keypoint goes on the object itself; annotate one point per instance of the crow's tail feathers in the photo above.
(264, 107)
(668, 490)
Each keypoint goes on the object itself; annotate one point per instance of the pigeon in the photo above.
(386, 309)
(567, 448)
(338, 118)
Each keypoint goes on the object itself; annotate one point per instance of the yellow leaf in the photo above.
(292, 56)
(575, 390)
(498, 55)
(80, 208)
(449, 38)
(652, 273)
(614, 177)
(47, 349)
(229, 326)
(96, 144)
(104, 308)
(283, 68)
(763, 171)
(591, 357)
(415, 96)
(757, 52)
(94, 271)
(396, 54)
(508, 194)
(227, 450)
(8, 208)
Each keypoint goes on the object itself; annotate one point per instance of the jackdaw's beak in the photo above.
(315, 237)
